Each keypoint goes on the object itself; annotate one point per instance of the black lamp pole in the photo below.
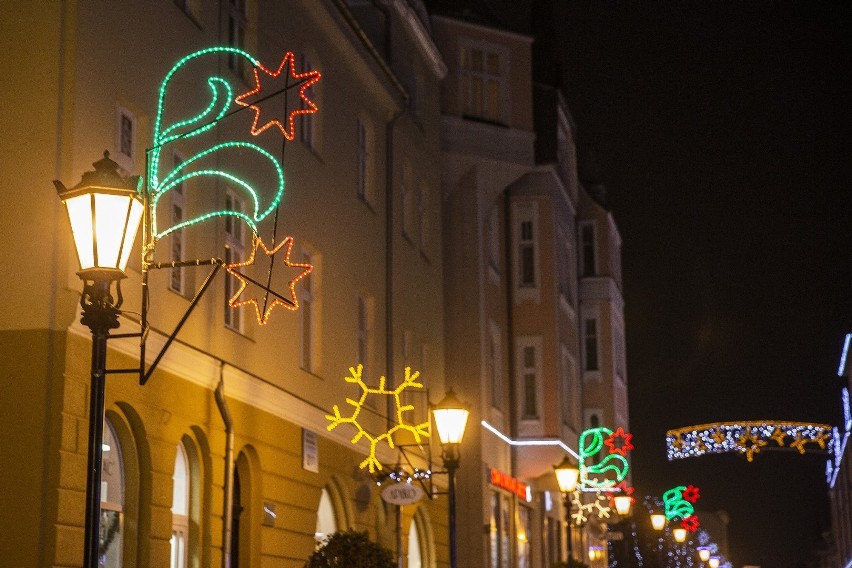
(100, 315)
(450, 456)
(566, 499)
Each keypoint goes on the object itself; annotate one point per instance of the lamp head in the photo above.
(658, 521)
(679, 534)
(703, 553)
(450, 419)
(105, 210)
(714, 562)
(567, 475)
(622, 504)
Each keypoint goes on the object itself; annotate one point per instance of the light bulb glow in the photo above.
(679, 534)
(658, 521)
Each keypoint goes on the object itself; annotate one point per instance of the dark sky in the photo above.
(721, 130)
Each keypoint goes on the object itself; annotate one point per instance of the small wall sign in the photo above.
(310, 451)
(402, 493)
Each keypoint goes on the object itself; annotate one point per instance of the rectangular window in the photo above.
(530, 382)
(499, 538)
(363, 332)
(526, 254)
(307, 121)
(482, 80)
(178, 206)
(523, 535)
(306, 309)
(125, 139)
(408, 201)
(590, 342)
(494, 370)
(237, 23)
(587, 248)
(362, 187)
(234, 249)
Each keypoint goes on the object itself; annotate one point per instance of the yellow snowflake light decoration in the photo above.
(417, 430)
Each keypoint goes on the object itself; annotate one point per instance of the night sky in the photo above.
(721, 130)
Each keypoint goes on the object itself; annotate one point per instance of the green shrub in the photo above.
(350, 549)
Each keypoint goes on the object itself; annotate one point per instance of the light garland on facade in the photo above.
(308, 78)
(612, 468)
(221, 101)
(263, 316)
(748, 438)
(417, 430)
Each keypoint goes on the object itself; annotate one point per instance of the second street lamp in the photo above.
(450, 421)
(105, 210)
(567, 476)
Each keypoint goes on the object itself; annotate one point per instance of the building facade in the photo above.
(223, 457)
(535, 346)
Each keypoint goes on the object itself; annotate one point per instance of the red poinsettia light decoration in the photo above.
(690, 523)
(619, 442)
(691, 494)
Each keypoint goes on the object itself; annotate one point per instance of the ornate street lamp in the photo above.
(679, 535)
(703, 553)
(714, 562)
(567, 476)
(105, 210)
(450, 420)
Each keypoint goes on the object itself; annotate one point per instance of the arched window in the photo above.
(326, 519)
(421, 541)
(415, 557)
(180, 510)
(112, 501)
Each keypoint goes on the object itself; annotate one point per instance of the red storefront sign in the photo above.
(509, 483)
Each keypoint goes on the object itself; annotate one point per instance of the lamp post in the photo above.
(450, 420)
(105, 210)
(567, 476)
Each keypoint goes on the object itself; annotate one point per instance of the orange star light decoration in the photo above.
(263, 318)
(306, 79)
(619, 442)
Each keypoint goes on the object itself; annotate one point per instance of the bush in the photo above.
(350, 549)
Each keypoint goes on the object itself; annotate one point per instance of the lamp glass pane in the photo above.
(658, 521)
(567, 479)
(451, 423)
(133, 221)
(679, 534)
(703, 554)
(622, 504)
(80, 215)
(110, 219)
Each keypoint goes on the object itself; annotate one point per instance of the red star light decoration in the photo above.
(307, 79)
(691, 494)
(690, 523)
(263, 318)
(619, 442)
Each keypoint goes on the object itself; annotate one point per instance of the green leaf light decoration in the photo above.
(221, 102)
(607, 471)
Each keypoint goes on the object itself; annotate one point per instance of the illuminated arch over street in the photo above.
(748, 438)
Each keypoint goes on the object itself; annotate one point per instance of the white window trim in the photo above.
(125, 161)
(503, 53)
(595, 251)
(178, 199)
(529, 425)
(236, 246)
(525, 212)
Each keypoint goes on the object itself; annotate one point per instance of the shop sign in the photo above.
(509, 483)
(402, 493)
(310, 451)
